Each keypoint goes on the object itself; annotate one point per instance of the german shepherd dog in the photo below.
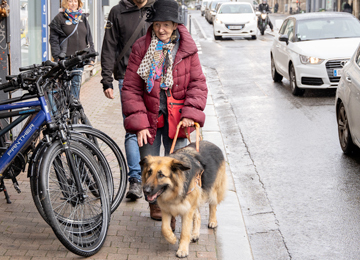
(182, 181)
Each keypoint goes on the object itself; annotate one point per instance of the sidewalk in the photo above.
(132, 234)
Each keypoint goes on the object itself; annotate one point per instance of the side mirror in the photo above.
(257, 13)
(284, 38)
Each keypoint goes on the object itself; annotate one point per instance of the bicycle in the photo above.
(113, 154)
(69, 172)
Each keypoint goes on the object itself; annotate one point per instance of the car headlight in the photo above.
(217, 20)
(310, 60)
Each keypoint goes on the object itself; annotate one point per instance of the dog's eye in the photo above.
(161, 175)
(149, 172)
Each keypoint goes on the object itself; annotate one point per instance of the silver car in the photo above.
(347, 105)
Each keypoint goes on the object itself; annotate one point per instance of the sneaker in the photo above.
(135, 191)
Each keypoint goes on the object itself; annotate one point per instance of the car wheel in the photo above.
(275, 75)
(218, 38)
(345, 139)
(294, 88)
(253, 37)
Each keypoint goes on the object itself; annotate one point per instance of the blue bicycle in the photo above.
(73, 186)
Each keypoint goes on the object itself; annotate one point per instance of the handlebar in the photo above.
(46, 69)
(9, 86)
(70, 63)
(37, 66)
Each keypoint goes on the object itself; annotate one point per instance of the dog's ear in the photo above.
(179, 165)
(145, 161)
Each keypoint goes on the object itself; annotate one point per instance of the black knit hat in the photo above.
(164, 10)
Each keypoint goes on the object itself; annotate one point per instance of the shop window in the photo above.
(30, 29)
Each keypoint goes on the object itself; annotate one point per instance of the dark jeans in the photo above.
(131, 150)
(76, 82)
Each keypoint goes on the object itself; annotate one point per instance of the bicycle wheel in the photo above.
(114, 157)
(80, 223)
(34, 173)
(36, 160)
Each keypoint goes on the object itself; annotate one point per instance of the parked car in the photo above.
(347, 104)
(210, 11)
(255, 5)
(198, 6)
(311, 49)
(203, 7)
(235, 19)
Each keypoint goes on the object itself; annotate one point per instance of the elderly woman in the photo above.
(163, 63)
(70, 32)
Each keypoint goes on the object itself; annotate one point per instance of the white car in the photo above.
(203, 7)
(235, 19)
(347, 104)
(311, 49)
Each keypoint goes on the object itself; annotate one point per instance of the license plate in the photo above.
(338, 72)
(235, 27)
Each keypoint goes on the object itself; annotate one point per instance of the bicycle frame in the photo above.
(24, 137)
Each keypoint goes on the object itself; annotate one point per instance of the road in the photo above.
(299, 194)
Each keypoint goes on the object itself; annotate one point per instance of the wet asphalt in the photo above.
(298, 193)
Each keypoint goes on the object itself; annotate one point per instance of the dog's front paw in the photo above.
(212, 224)
(171, 238)
(182, 253)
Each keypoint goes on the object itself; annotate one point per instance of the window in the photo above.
(357, 60)
(30, 29)
(283, 26)
(289, 30)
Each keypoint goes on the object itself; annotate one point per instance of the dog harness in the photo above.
(197, 181)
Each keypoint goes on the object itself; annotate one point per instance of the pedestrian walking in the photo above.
(347, 8)
(126, 23)
(276, 8)
(163, 65)
(70, 32)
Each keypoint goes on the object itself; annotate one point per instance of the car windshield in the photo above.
(235, 9)
(327, 28)
(213, 4)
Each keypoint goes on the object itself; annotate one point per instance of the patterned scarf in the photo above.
(74, 16)
(158, 62)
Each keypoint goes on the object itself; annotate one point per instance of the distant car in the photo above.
(197, 6)
(347, 104)
(255, 5)
(235, 19)
(203, 7)
(312, 48)
(210, 11)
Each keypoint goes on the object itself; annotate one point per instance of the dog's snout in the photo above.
(147, 189)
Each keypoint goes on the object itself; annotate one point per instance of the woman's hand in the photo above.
(187, 122)
(142, 137)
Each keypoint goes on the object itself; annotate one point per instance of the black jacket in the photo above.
(57, 35)
(264, 7)
(122, 22)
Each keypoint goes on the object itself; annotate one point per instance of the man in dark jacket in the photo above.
(265, 7)
(122, 22)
